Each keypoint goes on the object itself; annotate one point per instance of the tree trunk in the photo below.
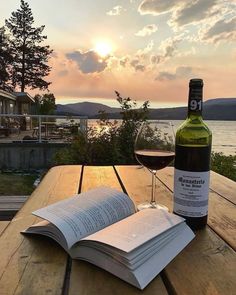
(23, 69)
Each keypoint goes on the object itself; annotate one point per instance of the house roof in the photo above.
(8, 95)
(19, 96)
(24, 97)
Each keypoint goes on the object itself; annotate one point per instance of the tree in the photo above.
(132, 119)
(29, 65)
(5, 61)
(45, 104)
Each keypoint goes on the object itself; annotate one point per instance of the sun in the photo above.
(103, 48)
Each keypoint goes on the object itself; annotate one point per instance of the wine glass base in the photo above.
(151, 206)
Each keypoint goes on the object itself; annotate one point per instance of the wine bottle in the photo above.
(192, 162)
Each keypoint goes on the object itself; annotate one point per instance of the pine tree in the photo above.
(5, 61)
(30, 59)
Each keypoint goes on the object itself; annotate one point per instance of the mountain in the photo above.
(213, 109)
(220, 109)
(220, 101)
(89, 109)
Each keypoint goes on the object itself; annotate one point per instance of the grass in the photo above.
(16, 184)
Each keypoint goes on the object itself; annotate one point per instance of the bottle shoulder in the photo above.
(193, 131)
(197, 124)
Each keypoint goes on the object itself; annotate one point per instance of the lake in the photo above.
(223, 135)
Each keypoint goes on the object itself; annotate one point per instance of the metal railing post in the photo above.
(40, 131)
(83, 125)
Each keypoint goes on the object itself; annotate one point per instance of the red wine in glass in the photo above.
(154, 159)
(154, 149)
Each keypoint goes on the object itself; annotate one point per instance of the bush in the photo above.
(112, 144)
(224, 165)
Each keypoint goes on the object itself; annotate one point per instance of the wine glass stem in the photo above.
(153, 200)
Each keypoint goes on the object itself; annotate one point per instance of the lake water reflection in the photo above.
(223, 134)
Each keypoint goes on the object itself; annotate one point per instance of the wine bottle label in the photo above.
(191, 191)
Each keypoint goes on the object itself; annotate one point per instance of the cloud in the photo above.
(156, 7)
(196, 11)
(156, 59)
(221, 30)
(136, 64)
(165, 76)
(88, 62)
(116, 10)
(141, 53)
(140, 68)
(184, 12)
(180, 72)
(169, 46)
(147, 31)
(124, 60)
(62, 73)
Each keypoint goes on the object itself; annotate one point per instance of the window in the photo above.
(11, 108)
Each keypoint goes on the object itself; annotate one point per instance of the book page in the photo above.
(86, 213)
(137, 229)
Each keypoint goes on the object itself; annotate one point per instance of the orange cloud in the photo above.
(69, 82)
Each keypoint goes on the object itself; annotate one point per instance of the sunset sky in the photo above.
(145, 49)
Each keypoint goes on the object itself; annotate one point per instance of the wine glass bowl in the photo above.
(154, 149)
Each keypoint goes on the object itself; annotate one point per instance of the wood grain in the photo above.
(30, 265)
(222, 213)
(3, 225)
(91, 280)
(88, 279)
(223, 186)
(207, 265)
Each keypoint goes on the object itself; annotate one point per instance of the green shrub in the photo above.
(112, 144)
(224, 165)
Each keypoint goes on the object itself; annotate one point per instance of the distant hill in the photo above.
(220, 101)
(89, 109)
(213, 109)
(220, 109)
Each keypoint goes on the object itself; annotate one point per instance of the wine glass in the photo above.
(154, 149)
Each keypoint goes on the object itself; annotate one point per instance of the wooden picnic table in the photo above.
(38, 265)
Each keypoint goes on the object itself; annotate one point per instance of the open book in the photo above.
(102, 227)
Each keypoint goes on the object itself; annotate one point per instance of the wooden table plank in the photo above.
(3, 225)
(88, 279)
(207, 265)
(223, 186)
(222, 213)
(31, 265)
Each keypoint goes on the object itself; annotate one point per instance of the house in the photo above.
(20, 103)
(15, 103)
(7, 102)
(24, 103)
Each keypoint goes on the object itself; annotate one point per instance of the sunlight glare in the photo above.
(103, 48)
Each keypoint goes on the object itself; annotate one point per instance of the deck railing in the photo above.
(40, 128)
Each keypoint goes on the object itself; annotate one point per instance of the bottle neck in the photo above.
(195, 102)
